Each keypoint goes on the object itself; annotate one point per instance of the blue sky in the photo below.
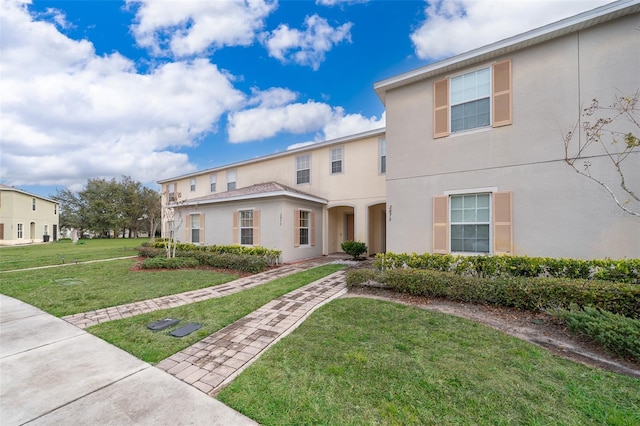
(154, 89)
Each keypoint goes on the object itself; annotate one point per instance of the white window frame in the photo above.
(231, 179)
(192, 184)
(453, 104)
(33, 204)
(213, 179)
(336, 157)
(19, 231)
(472, 191)
(303, 163)
(382, 156)
(194, 227)
(307, 234)
(243, 224)
(171, 191)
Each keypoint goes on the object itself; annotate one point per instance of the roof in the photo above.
(310, 147)
(11, 188)
(530, 38)
(261, 190)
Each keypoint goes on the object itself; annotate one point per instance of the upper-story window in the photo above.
(231, 180)
(470, 106)
(55, 209)
(303, 169)
(33, 204)
(192, 184)
(213, 178)
(476, 99)
(336, 160)
(383, 155)
(171, 191)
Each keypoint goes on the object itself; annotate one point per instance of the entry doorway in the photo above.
(349, 227)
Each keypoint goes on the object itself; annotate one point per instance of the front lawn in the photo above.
(132, 335)
(360, 361)
(64, 251)
(85, 287)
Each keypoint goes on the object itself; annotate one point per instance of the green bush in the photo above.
(354, 248)
(616, 333)
(518, 292)
(238, 262)
(169, 263)
(270, 256)
(623, 270)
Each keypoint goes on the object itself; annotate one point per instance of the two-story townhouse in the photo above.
(304, 201)
(476, 153)
(26, 218)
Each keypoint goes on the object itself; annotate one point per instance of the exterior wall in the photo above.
(556, 212)
(358, 186)
(276, 227)
(16, 208)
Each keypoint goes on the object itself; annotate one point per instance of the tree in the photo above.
(611, 132)
(72, 210)
(152, 214)
(172, 216)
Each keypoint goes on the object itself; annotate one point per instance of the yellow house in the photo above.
(27, 218)
(305, 201)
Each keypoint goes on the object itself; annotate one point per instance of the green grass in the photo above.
(359, 361)
(132, 335)
(33, 255)
(85, 287)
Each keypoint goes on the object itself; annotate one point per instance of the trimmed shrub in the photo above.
(169, 263)
(617, 333)
(623, 270)
(517, 292)
(149, 252)
(354, 248)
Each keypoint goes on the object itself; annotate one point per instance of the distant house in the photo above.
(471, 160)
(475, 144)
(27, 218)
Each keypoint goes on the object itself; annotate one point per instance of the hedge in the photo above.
(169, 263)
(528, 293)
(623, 270)
(270, 256)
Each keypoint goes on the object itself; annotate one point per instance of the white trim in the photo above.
(489, 189)
(254, 196)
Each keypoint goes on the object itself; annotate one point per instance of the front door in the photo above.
(349, 233)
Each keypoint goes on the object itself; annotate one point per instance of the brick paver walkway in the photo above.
(216, 360)
(87, 319)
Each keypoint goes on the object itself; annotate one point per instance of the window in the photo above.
(477, 221)
(470, 220)
(305, 224)
(303, 169)
(246, 227)
(212, 182)
(33, 204)
(19, 231)
(192, 184)
(336, 160)
(470, 107)
(383, 155)
(194, 220)
(171, 190)
(55, 209)
(479, 98)
(46, 230)
(231, 180)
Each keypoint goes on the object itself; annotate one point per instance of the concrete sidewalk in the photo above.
(54, 373)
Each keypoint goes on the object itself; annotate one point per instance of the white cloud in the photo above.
(300, 145)
(262, 123)
(339, 2)
(68, 114)
(344, 125)
(456, 26)
(195, 27)
(308, 47)
(273, 97)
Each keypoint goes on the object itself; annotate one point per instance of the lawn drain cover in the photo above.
(162, 324)
(185, 330)
(67, 281)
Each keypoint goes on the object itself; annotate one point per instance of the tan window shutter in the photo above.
(502, 93)
(256, 227)
(188, 228)
(502, 223)
(201, 228)
(441, 108)
(296, 228)
(312, 238)
(236, 234)
(441, 224)
(175, 191)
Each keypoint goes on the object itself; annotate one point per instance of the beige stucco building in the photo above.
(476, 150)
(305, 201)
(26, 218)
(472, 160)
